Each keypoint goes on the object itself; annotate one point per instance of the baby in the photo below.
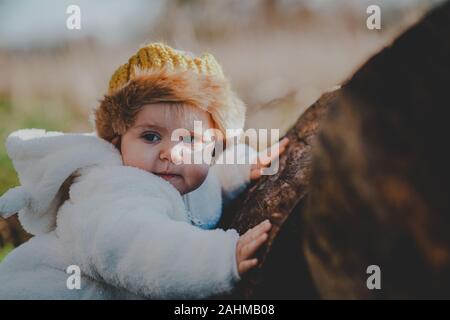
(122, 207)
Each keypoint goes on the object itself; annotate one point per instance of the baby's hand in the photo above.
(265, 160)
(248, 244)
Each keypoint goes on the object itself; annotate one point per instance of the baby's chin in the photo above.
(182, 184)
(179, 185)
(184, 187)
(176, 180)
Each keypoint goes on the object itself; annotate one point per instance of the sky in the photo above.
(41, 23)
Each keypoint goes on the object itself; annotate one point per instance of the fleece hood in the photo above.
(44, 161)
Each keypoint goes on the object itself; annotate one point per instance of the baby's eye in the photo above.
(151, 137)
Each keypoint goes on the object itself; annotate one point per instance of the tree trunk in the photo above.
(372, 159)
(275, 197)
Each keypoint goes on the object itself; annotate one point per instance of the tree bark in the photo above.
(274, 197)
(364, 181)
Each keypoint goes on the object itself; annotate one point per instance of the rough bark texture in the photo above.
(379, 191)
(376, 174)
(274, 197)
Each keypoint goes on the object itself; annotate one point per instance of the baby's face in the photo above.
(148, 143)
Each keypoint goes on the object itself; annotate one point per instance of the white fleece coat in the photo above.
(130, 232)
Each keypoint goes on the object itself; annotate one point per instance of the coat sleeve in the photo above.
(232, 168)
(133, 244)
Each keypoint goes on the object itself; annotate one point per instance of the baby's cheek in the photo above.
(138, 156)
(195, 175)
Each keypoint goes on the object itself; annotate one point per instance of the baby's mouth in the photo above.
(168, 176)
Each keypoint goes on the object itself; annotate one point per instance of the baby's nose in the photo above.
(172, 152)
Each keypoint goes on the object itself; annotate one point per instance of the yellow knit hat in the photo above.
(158, 56)
(159, 73)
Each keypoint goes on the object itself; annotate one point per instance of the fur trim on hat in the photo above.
(118, 110)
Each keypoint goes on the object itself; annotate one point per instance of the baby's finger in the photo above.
(247, 237)
(265, 159)
(246, 265)
(250, 249)
(255, 232)
(282, 145)
(255, 174)
(284, 142)
(262, 227)
(275, 151)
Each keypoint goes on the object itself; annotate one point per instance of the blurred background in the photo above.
(280, 55)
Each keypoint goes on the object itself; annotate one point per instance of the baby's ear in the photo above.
(117, 141)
